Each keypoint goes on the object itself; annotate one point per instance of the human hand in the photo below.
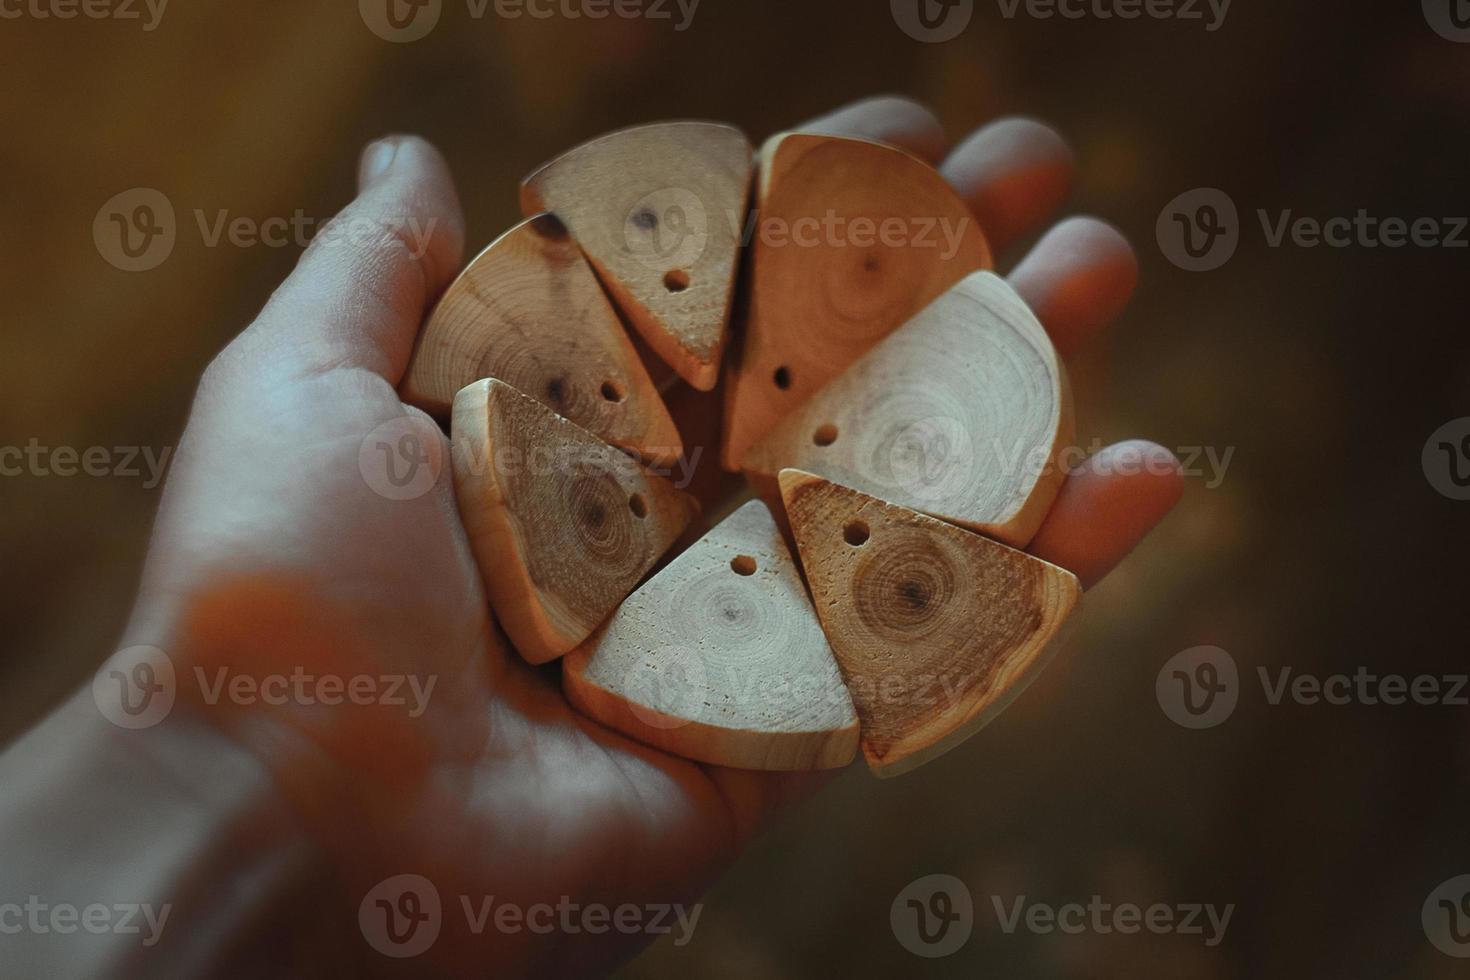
(276, 551)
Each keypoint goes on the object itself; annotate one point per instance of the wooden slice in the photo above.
(563, 525)
(659, 211)
(960, 413)
(720, 658)
(528, 311)
(827, 280)
(936, 629)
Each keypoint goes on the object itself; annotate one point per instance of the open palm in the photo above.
(281, 548)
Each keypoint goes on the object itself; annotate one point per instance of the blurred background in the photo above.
(1322, 370)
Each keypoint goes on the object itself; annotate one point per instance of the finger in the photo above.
(891, 119)
(361, 289)
(1107, 506)
(1014, 173)
(1077, 280)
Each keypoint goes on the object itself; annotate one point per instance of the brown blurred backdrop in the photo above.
(1324, 370)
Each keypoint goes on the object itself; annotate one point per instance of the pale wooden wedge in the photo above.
(659, 210)
(960, 413)
(854, 238)
(563, 525)
(528, 311)
(720, 658)
(936, 629)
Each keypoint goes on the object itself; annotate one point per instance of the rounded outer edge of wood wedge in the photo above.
(659, 211)
(562, 525)
(529, 311)
(962, 414)
(720, 658)
(814, 307)
(936, 629)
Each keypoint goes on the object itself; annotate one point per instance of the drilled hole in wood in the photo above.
(612, 391)
(743, 565)
(855, 534)
(783, 378)
(676, 280)
(826, 435)
(638, 505)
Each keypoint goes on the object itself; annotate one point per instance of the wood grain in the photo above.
(827, 281)
(528, 311)
(720, 658)
(960, 413)
(563, 525)
(659, 210)
(936, 629)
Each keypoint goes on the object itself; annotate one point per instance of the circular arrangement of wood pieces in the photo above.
(528, 311)
(852, 239)
(960, 414)
(658, 209)
(720, 658)
(563, 526)
(936, 629)
(898, 407)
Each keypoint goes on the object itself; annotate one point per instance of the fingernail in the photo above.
(376, 160)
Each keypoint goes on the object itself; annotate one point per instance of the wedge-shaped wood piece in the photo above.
(936, 629)
(853, 239)
(720, 658)
(960, 413)
(659, 211)
(563, 525)
(528, 311)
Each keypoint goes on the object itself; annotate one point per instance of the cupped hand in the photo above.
(280, 549)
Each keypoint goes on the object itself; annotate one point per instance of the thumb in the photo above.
(364, 284)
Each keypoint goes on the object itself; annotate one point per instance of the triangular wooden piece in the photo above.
(960, 413)
(720, 658)
(936, 629)
(854, 238)
(659, 211)
(563, 525)
(528, 310)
